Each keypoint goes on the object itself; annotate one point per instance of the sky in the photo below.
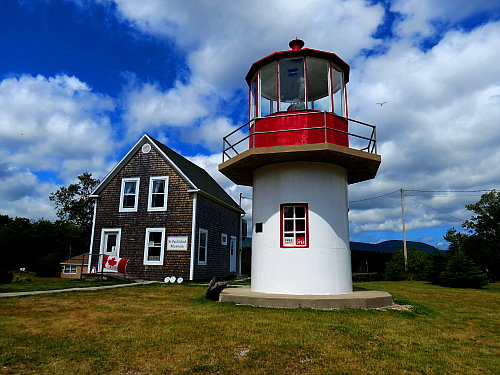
(82, 80)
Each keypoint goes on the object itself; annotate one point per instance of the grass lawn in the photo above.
(50, 283)
(171, 329)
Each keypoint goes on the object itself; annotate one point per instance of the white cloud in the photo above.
(53, 125)
(423, 18)
(221, 42)
(439, 127)
(209, 133)
(210, 164)
(148, 106)
(22, 194)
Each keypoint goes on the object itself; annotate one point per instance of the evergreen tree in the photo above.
(461, 272)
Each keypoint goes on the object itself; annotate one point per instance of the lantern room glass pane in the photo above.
(268, 92)
(338, 92)
(292, 84)
(253, 99)
(317, 84)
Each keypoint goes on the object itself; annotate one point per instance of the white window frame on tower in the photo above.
(294, 232)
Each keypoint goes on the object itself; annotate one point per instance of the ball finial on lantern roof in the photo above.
(296, 44)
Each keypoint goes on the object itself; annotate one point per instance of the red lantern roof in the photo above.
(297, 51)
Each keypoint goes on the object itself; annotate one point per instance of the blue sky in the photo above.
(82, 80)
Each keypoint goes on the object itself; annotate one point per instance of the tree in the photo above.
(419, 262)
(481, 242)
(73, 203)
(26, 243)
(461, 272)
(486, 222)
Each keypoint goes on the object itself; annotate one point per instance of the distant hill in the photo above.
(391, 246)
(388, 247)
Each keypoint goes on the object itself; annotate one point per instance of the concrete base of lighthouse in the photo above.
(361, 299)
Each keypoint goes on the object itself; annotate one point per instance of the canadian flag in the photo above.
(114, 263)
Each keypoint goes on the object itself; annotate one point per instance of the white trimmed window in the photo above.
(129, 194)
(154, 246)
(223, 239)
(69, 270)
(202, 246)
(158, 192)
(294, 225)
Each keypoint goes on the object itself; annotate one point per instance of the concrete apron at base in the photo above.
(364, 299)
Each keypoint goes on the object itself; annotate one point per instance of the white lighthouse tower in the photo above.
(303, 152)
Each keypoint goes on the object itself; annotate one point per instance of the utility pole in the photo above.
(405, 250)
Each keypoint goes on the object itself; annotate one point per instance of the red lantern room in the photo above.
(298, 88)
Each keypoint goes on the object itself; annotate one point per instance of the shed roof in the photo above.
(77, 260)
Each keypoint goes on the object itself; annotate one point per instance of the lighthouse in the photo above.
(300, 151)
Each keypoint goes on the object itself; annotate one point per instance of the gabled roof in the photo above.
(77, 260)
(195, 176)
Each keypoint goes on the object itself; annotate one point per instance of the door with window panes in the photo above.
(111, 245)
(232, 254)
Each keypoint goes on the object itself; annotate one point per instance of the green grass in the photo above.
(172, 329)
(50, 283)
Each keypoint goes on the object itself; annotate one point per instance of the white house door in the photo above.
(110, 245)
(232, 254)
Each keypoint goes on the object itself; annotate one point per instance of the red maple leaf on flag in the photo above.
(112, 262)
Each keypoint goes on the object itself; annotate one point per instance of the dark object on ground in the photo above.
(214, 289)
(6, 277)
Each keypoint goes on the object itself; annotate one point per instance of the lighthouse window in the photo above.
(253, 99)
(292, 84)
(317, 85)
(268, 94)
(338, 92)
(294, 225)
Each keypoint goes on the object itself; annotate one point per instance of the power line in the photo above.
(424, 191)
(378, 196)
(445, 195)
(449, 191)
(435, 209)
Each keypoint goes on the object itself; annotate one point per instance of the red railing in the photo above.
(364, 139)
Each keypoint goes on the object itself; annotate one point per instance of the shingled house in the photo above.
(165, 214)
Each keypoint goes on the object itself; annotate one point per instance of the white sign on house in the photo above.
(177, 243)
